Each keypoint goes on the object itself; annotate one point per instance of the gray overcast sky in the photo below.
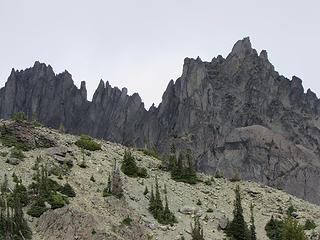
(141, 44)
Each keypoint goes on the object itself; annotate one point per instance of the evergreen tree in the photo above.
(197, 230)
(172, 158)
(168, 216)
(129, 166)
(237, 228)
(107, 190)
(182, 173)
(253, 235)
(162, 214)
(4, 185)
(158, 202)
(12, 222)
(146, 191)
(273, 229)
(152, 201)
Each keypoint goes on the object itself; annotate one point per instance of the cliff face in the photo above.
(237, 115)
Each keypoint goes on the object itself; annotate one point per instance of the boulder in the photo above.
(188, 210)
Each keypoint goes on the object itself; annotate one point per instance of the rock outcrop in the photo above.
(236, 114)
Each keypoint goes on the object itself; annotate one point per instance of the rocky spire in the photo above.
(242, 48)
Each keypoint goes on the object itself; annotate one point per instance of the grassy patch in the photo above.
(86, 142)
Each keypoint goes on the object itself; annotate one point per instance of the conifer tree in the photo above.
(129, 166)
(162, 214)
(237, 228)
(273, 229)
(253, 235)
(158, 201)
(107, 190)
(146, 191)
(152, 201)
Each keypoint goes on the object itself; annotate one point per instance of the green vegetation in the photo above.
(292, 230)
(86, 142)
(209, 210)
(107, 191)
(17, 153)
(180, 172)
(197, 230)
(9, 139)
(287, 229)
(152, 152)
(236, 177)
(309, 225)
(19, 116)
(67, 190)
(46, 190)
(208, 182)
(146, 191)
(162, 214)
(92, 179)
(218, 174)
(252, 233)
(56, 200)
(130, 168)
(291, 210)
(237, 228)
(127, 221)
(12, 222)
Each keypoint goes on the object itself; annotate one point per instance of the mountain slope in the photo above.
(235, 114)
(89, 210)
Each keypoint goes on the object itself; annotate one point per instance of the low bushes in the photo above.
(86, 142)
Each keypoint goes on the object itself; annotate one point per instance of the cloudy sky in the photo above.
(141, 44)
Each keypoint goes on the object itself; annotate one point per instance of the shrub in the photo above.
(19, 116)
(309, 225)
(36, 211)
(106, 192)
(130, 168)
(291, 210)
(10, 140)
(153, 152)
(67, 190)
(56, 201)
(208, 182)
(17, 153)
(3, 154)
(127, 221)
(86, 142)
(291, 229)
(210, 210)
(218, 174)
(236, 177)
(92, 179)
(199, 203)
(142, 172)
